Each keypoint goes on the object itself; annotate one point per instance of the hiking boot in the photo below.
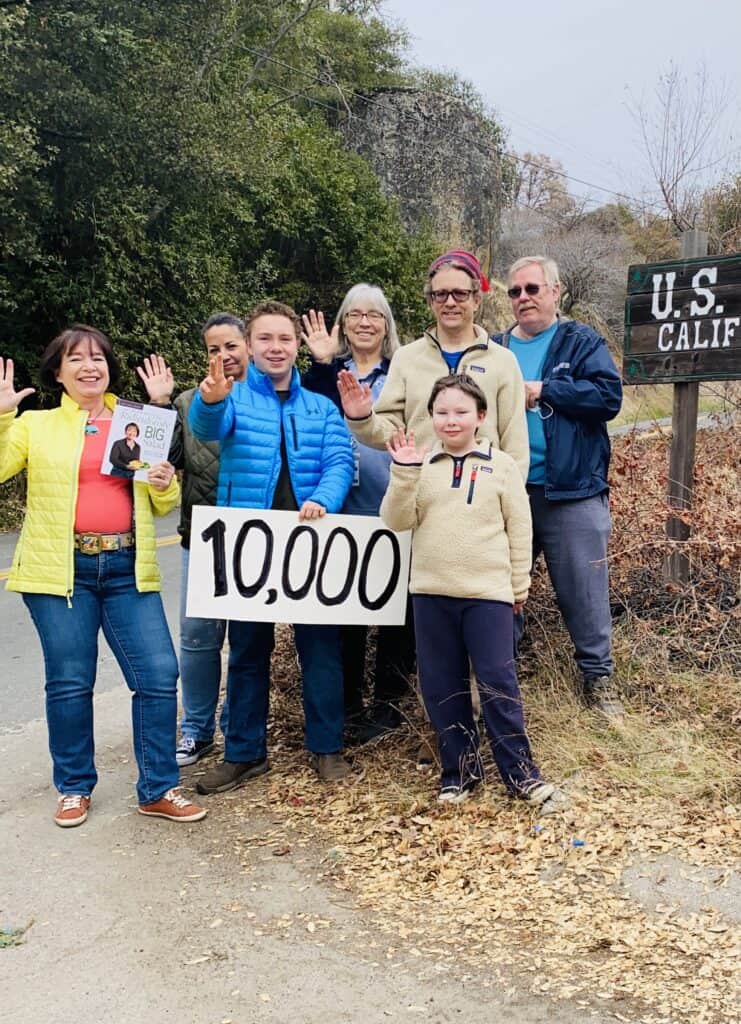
(175, 807)
(330, 767)
(544, 796)
(189, 750)
(600, 694)
(71, 810)
(230, 774)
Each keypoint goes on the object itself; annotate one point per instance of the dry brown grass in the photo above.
(490, 888)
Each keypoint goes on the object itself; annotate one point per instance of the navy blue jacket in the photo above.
(248, 422)
(582, 386)
(372, 465)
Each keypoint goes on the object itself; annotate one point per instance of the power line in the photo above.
(327, 81)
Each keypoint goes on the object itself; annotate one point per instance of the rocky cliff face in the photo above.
(434, 155)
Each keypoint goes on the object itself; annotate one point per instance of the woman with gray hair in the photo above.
(362, 342)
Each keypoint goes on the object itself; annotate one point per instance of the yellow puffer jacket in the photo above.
(48, 444)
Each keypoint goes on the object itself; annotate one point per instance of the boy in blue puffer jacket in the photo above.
(282, 447)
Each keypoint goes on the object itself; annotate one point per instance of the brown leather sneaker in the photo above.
(175, 807)
(71, 810)
(330, 767)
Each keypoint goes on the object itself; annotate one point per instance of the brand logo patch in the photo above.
(561, 366)
(485, 469)
(477, 369)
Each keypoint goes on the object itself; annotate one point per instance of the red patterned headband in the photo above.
(464, 259)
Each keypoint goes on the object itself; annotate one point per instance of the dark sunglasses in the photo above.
(530, 289)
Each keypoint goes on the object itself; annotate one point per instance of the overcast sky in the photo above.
(562, 74)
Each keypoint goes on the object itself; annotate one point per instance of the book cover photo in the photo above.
(139, 438)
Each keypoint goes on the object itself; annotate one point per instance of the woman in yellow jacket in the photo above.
(86, 560)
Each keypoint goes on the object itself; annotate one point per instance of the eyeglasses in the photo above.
(459, 294)
(356, 315)
(530, 289)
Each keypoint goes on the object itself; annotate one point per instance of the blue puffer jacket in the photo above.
(582, 386)
(248, 425)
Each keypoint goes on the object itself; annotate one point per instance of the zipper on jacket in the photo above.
(229, 493)
(471, 485)
(294, 432)
(75, 488)
(457, 471)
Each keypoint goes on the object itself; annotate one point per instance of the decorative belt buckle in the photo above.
(110, 542)
(90, 543)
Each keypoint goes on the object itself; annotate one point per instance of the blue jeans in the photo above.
(134, 625)
(248, 686)
(201, 641)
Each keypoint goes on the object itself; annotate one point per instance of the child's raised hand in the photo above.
(356, 398)
(216, 386)
(403, 448)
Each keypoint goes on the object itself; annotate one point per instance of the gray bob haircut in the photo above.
(549, 267)
(368, 296)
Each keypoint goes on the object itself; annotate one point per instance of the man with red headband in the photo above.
(572, 389)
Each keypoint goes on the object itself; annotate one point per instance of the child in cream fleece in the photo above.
(471, 551)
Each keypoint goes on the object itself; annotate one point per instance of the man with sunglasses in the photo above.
(572, 388)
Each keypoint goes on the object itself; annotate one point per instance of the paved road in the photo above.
(139, 920)
(22, 679)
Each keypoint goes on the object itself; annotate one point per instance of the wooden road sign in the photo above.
(683, 321)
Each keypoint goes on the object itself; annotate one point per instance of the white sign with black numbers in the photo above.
(265, 566)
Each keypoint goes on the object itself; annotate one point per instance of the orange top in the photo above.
(105, 504)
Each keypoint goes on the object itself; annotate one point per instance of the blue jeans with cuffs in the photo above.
(105, 597)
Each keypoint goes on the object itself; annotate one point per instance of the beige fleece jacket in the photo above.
(471, 521)
(413, 371)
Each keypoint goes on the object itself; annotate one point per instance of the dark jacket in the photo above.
(249, 423)
(582, 386)
(121, 455)
(199, 462)
(371, 478)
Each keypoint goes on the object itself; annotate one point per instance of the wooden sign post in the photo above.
(683, 325)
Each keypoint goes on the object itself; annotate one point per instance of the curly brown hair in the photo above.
(271, 307)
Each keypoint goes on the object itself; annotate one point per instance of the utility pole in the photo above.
(684, 436)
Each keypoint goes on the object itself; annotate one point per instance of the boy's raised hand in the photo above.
(403, 448)
(157, 378)
(356, 398)
(10, 399)
(322, 345)
(216, 386)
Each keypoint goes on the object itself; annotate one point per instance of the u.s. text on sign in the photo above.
(683, 321)
(264, 566)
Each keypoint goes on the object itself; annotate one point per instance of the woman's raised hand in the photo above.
(10, 399)
(322, 345)
(356, 398)
(216, 386)
(157, 378)
(403, 448)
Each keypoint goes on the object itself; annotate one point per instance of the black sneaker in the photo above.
(230, 774)
(379, 721)
(189, 750)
